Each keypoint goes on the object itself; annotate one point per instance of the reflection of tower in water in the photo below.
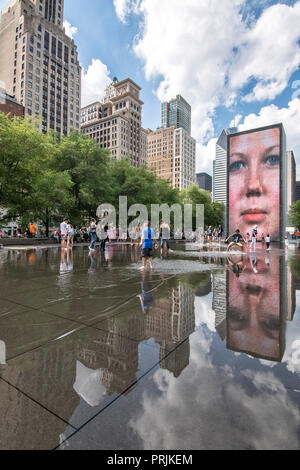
(173, 321)
(219, 303)
(178, 360)
(116, 356)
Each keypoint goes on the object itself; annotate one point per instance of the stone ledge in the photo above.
(25, 241)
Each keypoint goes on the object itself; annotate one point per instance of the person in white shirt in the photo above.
(268, 241)
(286, 243)
(70, 236)
(93, 233)
(64, 233)
(253, 238)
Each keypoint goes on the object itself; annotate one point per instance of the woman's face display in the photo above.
(254, 182)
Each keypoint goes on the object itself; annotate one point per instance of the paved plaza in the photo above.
(201, 353)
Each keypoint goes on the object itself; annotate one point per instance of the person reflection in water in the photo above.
(236, 264)
(254, 182)
(146, 297)
(93, 260)
(253, 315)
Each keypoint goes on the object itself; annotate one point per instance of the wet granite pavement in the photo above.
(202, 353)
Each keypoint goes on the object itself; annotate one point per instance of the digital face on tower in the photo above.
(254, 182)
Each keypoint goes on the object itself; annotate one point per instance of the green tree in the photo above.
(139, 185)
(213, 211)
(30, 185)
(51, 198)
(87, 165)
(294, 215)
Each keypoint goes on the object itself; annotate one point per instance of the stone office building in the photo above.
(39, 63)
(115, 123)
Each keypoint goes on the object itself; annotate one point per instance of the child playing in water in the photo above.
(286, 240)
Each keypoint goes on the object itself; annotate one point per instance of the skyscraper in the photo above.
(172, 155)
(39, 64)
(176, 113)
(291, 179)
(220, 169)
(115, 123)
(204, 181)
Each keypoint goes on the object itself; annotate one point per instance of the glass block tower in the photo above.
(176, 113)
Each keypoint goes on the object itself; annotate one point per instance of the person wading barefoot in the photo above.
(147, 241)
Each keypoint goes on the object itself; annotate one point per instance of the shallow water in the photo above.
(201, 353)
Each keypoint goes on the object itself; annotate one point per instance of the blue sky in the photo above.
(102, 35)
(234, 60)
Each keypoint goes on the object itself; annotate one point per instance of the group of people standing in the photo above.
(212, 234)
(143, 237)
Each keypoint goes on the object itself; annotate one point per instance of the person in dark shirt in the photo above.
(236, 240)
(220, 234)
(104, 228)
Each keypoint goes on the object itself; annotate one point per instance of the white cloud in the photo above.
(290, 118)
(208, 51)
(189, 47)
(269, 53)
(70, 30)
(121, 7)
(204, 313)
(235, 122)
(265, 419)
(292, 357)
(205, 154)
(94, 81)
(125, 7)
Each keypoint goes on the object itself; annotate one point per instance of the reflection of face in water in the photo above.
(254, 182)
(253, 317)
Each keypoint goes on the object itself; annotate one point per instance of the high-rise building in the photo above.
(214, 181)
(204, 181)
(297, 191)
(172, 155)
(115, 124)
(176, 113)
(110, 91)
(39, 64)
(291, 179)
(220, 174)
(144, 143)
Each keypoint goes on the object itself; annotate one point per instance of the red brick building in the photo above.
(9, 105)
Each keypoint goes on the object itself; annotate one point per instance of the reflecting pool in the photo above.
(201, 353)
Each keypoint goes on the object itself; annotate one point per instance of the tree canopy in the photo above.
(294, 215)
(45, 178)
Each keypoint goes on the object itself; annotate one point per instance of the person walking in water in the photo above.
(104, 232)
(64, 233)
(147, 241)
(253, 238)
(220, 234)
(268, 242)
(165, 236)
(71, 234)
(93, 232)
